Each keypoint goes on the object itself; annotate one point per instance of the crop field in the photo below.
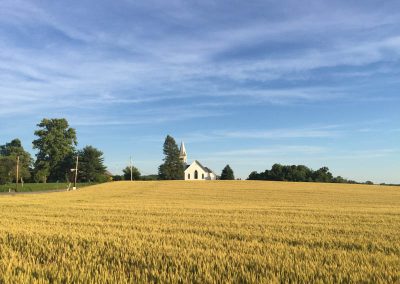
(203, 232)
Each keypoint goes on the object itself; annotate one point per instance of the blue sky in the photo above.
(249, 83)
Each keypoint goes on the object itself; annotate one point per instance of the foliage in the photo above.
(7, 165)
(149, 177)
(56, 146)
(91, 165)
(298, 173)
(197, 232)
(173, 167)
(127, 173)
(33, 187)
(117, 177)
(8, 161)
(41, 173)
(227, 173)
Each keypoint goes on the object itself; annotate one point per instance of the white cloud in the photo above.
(169, 66)
(275, 151)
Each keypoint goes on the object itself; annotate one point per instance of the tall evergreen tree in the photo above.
(91, 163)
(172, 168)
(55, 144)
(227, 173)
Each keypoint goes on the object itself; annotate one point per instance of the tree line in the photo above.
(299, 173)
(56, 155)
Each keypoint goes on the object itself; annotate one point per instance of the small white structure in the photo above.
(183, 154)
(195, 171)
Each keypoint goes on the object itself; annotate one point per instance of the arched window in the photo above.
(196, 174)
(202, 176)
(188, 176)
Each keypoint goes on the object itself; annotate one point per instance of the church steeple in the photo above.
(182, 153)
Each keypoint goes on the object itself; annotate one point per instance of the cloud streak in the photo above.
(136, 67)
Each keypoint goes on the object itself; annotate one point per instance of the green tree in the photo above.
(172, 168)
(254, 175)
(135, 173)
(10, 151)
(91, 165)
(323, 175)
(277, 172)
(7, 165)
(227, 173)
(55, 144)
(42, 173)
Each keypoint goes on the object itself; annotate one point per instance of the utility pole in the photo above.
(76, 171)
(17, 175)
(131, 169)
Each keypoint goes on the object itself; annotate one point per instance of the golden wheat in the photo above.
(203, 232)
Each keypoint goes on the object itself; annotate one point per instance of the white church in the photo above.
(195, 171)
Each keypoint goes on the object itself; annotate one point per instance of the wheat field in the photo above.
(203, 232)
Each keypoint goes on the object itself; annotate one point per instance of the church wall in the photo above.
(190, 172)
(201, 174)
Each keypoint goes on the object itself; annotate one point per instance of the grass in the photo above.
(32, 187)
(203, 232)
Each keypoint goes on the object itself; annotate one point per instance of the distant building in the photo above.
(195, 171)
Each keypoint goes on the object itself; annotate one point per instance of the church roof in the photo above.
(207, 170)
(201, 166)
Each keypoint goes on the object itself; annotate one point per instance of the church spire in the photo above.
(182, 153)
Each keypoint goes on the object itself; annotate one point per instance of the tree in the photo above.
(323, 175)
(7, 165)
(91, 165)
(55, 144)
(135, 173)
(42, 174)
(277, 172)
(227, 173)
(298, 173)
(172, 168)
(9, 152)
(254, 175)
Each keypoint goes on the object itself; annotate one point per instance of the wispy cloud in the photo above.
(137, 67)
(368, 154)
(275, 151)
(283, 133)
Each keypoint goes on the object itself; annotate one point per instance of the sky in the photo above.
(244, 83)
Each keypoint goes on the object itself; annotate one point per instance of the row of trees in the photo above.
(298, 173)
(56, 155)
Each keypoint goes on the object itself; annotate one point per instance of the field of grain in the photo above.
(203, 232)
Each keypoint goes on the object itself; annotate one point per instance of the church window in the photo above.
(196, 175)
(188, 176)
(202, 176)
